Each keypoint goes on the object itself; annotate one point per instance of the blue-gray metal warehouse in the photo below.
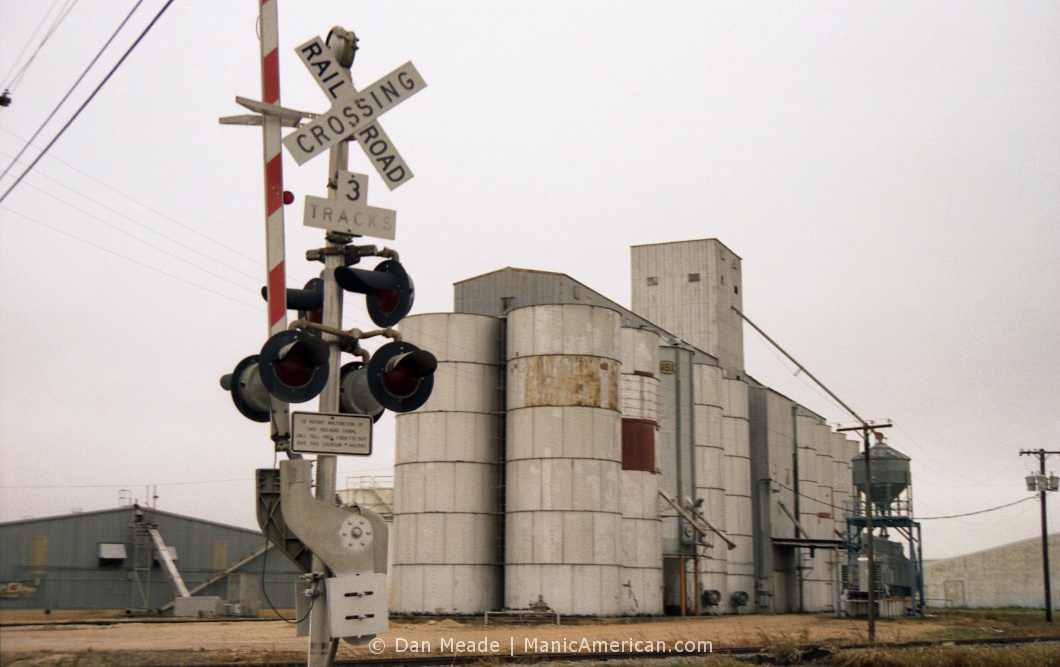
(141, 560)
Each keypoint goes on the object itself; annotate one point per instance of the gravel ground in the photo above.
(65, 639)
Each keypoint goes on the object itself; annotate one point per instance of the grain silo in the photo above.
(641, 576)
(563, 459)
(736, 440)
(447, 473)
(825, 481)
(711, 479)
(805, 423)
(823, 573)
(842, 479)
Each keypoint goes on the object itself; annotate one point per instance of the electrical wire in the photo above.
(264, 560)
(134, 261)
(135, 201)
(29, 41)
(160, 249)
(941, 463)
(87, 101)
(69, 92)
(916, 518)
(123, 486)
(991, 509)
(63, 13)
(141, 225)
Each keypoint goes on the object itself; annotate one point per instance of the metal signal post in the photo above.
(274, 236)
(344, 588)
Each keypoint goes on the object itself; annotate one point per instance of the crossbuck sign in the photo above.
(353, 113)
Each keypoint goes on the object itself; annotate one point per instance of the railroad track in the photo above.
(753, 654)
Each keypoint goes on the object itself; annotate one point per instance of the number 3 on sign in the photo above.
(353, 188)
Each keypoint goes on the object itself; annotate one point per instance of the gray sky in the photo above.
(888, 172)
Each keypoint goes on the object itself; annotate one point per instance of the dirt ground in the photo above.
(31, 638)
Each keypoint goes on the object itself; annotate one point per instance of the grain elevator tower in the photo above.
(689, 288)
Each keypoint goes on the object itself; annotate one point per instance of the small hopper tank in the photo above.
(890, 474)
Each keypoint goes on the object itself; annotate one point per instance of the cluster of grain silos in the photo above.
(509, 482)
(534, 471)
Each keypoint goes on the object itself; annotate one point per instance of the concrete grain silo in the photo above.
(825, 481)
(447, 473)
(641, 576)
(563, 524)
(739, 524)
(824, 562)
(842, 479)
(805, 427)
(710, 476)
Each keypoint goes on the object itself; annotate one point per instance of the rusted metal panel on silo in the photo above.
(638, 444)
(563, 380)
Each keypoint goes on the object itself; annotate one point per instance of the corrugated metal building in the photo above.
(95, 560)
(1006, 576)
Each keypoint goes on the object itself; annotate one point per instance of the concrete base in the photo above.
(196, 606)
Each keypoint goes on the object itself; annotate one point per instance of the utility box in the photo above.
(244, 597)
(196, 607)
(357, 605)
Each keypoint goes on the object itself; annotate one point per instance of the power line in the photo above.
(147, 243)
(915, 518)
(135, 201)
(69, 92)
(992, 509)
(29, 41)
(130, 259)
(63, 13)
(122, 486)
(90, 98)
(255, 278)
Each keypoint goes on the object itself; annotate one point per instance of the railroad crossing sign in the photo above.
(353, 113)
(349, 212)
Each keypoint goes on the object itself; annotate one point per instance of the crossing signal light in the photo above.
(388, 290)
(355, 397)
(248, 393)
(401, 376)
(292, 366)
(308, 301)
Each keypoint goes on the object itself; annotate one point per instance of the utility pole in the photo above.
(1042, 484)
(865, 429)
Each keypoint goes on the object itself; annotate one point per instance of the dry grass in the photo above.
(951, 656)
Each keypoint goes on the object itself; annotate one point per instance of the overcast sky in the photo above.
(889, 173)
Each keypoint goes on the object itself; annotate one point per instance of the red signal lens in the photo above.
(288, 197)
(402, 381)
(387, 299)
(295, 369)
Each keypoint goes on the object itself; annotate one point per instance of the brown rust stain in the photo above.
(563, 380)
